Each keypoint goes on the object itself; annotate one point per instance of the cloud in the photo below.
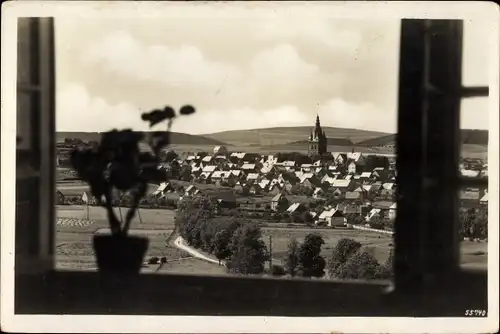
(249, 73)
(343, 114)
(281, 62)
(268, 79)
(120, 53)
(208, 121)
(77, 110)
(320, 32)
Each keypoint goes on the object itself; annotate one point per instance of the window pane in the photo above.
(262, 100)
(474, 150)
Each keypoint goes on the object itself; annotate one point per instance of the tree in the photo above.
(307, 217)
(277, 270)
(185, 174)
(355, 219)
(191, 215)
(360, 265)
(478, 223)
(467, 218)
(249, 252)
(385, 271)
(292, 257)
(221, 244)
(341, 253)
(311, 264)
(377, 223)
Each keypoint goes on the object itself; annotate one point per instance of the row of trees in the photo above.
(347, 261)
(240, 244)
(228, 238)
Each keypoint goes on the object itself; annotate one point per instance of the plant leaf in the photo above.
(187, 110)
(157, 115)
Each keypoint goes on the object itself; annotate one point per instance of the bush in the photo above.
(277, 270)
(361, 265)
(311, 263)
(344, 249)
(248, 251)
(292, 257)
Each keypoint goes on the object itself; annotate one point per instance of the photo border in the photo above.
(486, 11)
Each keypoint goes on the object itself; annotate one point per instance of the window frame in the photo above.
(410, 240)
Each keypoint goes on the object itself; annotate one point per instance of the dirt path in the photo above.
(181, 244)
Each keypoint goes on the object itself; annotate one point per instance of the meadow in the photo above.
(74, 243)
(378, 244)
(74, 234)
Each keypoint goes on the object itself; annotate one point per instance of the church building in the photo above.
(318, 142)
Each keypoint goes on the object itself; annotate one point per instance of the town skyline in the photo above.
(241, 74)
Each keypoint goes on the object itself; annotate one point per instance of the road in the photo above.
(179, 243)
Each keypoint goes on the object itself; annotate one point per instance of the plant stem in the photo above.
(113, 220)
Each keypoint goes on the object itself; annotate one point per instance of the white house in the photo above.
(318, 193)
(392, 211)
(332, 218)
(209, 169)
(161, 188)
(469, 173)
(484, 199)
(248, 167)
(306, 167)
(191, 191)
(253, 177)
(374, 213)
(208, 158)
(278, 201)
(351, 168)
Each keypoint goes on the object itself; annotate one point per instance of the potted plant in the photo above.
(118, 164)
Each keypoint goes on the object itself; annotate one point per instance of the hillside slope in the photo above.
(177, 138)
(469, 137)
(285, 135)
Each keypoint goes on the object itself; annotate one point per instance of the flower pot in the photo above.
(120, 254)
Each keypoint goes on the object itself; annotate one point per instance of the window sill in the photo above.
(88, 293)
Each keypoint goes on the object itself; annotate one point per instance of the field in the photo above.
(74, 241)
(277, 136)
(76, 187)
(473, 254)
(175, 137)
(379, 245)
(74, 234)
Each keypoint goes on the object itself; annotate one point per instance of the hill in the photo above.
(469, 137)
(474, 137)
(177, 138)
(331, 141)
(286, 135)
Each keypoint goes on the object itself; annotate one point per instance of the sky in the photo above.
(241, 73)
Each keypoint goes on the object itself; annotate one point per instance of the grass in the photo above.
(193, 267)
(379, 244)
(76, 187)
(74, 244)
(474, 254)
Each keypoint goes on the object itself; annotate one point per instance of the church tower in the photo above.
(318, 141)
